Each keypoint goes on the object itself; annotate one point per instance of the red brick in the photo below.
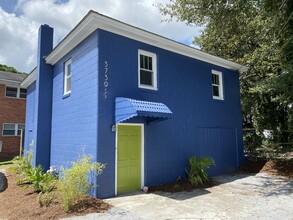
(12, 110)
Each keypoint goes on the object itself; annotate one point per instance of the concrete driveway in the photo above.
(239, 196)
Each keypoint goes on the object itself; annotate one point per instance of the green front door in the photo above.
(128, 158)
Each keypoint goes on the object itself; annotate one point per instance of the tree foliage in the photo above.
(6, 68)
(258, 34)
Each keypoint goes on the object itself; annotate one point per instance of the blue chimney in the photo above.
(43, 100)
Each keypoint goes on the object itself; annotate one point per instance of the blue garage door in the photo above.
(221, 145)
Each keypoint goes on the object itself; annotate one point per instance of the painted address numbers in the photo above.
(106, 83)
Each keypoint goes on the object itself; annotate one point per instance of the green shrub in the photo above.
(196, 170)
(41, 182)
(46, 198)
(252, 141)
(74, 182)
(23, 163)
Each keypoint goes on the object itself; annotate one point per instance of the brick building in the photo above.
(12, 112)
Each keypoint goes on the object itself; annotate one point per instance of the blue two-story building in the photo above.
(139, 102)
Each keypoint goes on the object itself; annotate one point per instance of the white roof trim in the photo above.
(29, 79)
(9, 81)
(94, 20)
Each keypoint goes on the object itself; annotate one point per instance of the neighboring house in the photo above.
(139, 102)
(12, 113)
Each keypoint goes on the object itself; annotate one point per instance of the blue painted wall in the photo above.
(29, 118)
(43, 100)
(200, 125)
(74, 117)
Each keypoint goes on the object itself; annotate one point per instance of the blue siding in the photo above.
(29, 118)
(105, 66)
(184, 85)
(43, 100)
(74, 118)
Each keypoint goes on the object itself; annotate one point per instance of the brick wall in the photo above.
(12, 110)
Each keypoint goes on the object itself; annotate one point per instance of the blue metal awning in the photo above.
(127, 108)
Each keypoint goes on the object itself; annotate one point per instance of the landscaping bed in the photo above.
(21, 203)
(278, 167)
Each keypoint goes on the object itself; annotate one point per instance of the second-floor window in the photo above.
(147, 70)
(15, 92)
(217, 85)
(67, 77)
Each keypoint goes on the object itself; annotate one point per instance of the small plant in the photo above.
(74, 182)
(196, 170)
(23, 163)
(46, 198)
(41, 182)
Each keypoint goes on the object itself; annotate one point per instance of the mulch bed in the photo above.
(180, 186)
(280, 167)
(21, 203)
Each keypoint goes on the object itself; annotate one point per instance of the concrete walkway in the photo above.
(237, 197)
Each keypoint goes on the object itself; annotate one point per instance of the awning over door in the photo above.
(126, 108)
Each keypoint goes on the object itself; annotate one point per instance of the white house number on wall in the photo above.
(106, 83)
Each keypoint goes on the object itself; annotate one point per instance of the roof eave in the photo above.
(29, 79)
(94, 20)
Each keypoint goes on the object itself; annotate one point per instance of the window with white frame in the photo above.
(217, 85)
(15, 92)
(147, 70)
(67, 77)
(10, 129)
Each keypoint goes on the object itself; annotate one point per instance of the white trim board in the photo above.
(142, 151)
(94, 20)
(29, 79)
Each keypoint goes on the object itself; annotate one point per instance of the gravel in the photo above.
(239, 196)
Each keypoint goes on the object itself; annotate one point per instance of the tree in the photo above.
(258, 34)
(6, 68)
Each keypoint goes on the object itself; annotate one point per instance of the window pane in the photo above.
(141, 61)
(145, 62)
(20, 127)
(150, 64)
(22, 93)
(215, 79)
(8, 132)
(216, 91)
(68, 84)
(146, 78)
(11, 92)
(9, 126)
(9, 129)
(68, 73)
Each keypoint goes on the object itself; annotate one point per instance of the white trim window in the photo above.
(147, 70)
(10, 129)
(67, 77)
(15, 92)
(217, 85)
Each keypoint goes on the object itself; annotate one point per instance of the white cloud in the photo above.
(19, 32)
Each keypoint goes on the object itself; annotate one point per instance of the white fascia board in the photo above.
(29, 79)
(9, 82)
(94, 20)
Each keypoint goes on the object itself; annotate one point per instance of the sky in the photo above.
(20, 20)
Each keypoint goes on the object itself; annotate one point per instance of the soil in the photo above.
(280, 167)
(180, 186)
(21, 203)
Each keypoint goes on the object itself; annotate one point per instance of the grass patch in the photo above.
(6, 164)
